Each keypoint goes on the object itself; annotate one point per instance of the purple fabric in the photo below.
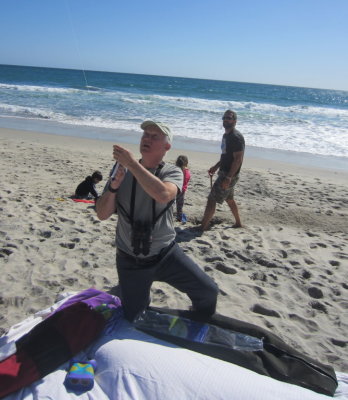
(93, 298)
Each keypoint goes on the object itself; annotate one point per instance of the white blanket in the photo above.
(132, 365)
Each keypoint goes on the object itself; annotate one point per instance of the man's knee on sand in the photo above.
(132, 307)
(206, 305)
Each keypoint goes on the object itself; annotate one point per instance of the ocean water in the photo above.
(302, 121)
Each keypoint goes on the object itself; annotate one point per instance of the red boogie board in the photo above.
(83, 201)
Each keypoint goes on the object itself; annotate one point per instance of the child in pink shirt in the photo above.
(182, 163)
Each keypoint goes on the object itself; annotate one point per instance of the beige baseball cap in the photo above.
(164, 128)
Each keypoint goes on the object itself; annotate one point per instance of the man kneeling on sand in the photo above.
(143, 193)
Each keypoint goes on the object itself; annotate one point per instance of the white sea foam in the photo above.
(32, 88)
(128, 99)
(30, 112)
(306, 128)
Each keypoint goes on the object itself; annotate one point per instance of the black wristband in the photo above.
(110, 189)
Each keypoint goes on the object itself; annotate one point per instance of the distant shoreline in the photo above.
(306, 160)
(176, 77)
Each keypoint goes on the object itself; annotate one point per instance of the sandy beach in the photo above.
(285, 270)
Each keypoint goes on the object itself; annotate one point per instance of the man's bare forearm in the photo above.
(237, 162)
(214, 168)
(160, 191)
(106, 205)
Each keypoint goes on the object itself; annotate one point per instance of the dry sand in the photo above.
(286, 270)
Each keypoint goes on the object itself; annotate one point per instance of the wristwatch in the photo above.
(110, 189)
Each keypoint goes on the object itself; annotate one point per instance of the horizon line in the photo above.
(172, 76)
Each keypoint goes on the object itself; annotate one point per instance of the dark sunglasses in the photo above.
(230, 118)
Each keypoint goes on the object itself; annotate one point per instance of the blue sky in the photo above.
(298, 42)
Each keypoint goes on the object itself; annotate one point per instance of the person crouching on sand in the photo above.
(86, 189)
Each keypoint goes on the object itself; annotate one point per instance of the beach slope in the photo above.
(285, 270)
